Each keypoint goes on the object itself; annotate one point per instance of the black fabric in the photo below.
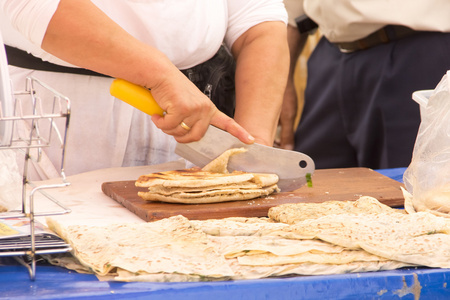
(214, 77)
(358, 108)
(22, 59)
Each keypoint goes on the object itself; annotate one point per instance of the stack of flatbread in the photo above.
(318, 242)
(211, 184)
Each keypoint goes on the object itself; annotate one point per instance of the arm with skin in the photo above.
(289, 109)
(262, 66)
(83, 35)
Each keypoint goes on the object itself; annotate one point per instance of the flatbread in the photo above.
(219, 165)
(237, 246)
(292, 213)
(237, 226)
(167, 246)
(176, 249)
(244, 272)
(211, 184)
(343, 257)
(210, 196)
(420, 238)
(174, 190)
(191, 178)
(257, 272)
(253, 181)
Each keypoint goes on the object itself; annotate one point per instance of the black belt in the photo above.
(382, 36)
(22, 59)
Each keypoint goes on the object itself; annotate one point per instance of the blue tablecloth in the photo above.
(55, 283)
(396, 173)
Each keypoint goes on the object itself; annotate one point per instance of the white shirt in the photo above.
(350, 20)
(189, 32)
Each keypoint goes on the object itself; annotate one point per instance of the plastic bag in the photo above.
(427, 178)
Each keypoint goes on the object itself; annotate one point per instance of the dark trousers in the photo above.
(358, 108)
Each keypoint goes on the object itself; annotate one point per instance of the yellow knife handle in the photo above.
(135, 95)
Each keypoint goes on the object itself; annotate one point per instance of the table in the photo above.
(55, 283)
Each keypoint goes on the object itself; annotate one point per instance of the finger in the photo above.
(196, 132)
(226, 123)
(186, 131)
(277, 140)
(168, 123)
(287, 146)
(185, 126)
(287, 138)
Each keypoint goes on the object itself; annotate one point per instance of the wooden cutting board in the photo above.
(328, 184)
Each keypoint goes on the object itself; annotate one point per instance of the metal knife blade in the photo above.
(291, 167)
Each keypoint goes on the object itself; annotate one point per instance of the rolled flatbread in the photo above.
(211, 184)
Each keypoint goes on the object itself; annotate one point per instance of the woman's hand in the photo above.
(189, 112)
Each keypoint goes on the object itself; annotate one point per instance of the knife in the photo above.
(293, 168)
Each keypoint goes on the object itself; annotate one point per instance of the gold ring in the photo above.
(182, 124)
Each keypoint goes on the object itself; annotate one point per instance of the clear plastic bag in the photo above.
(427, 178)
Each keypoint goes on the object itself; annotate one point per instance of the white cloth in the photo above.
(349, 20)
(189, 32)
(105, 132)
(10, 178)
(294, 9)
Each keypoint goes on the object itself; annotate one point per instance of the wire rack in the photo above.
(36, 119)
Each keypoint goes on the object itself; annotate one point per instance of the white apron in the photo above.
(103, 131)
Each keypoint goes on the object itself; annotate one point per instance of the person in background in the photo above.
(300, 48)
(157, 45)
(373, 55)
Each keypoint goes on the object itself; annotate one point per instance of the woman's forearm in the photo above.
(81, 34)
(262, 69)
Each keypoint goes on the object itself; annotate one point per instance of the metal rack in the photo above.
(36, 118)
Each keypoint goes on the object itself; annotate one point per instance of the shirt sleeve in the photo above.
(30, 17)
(294, 9)
(242, 15)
